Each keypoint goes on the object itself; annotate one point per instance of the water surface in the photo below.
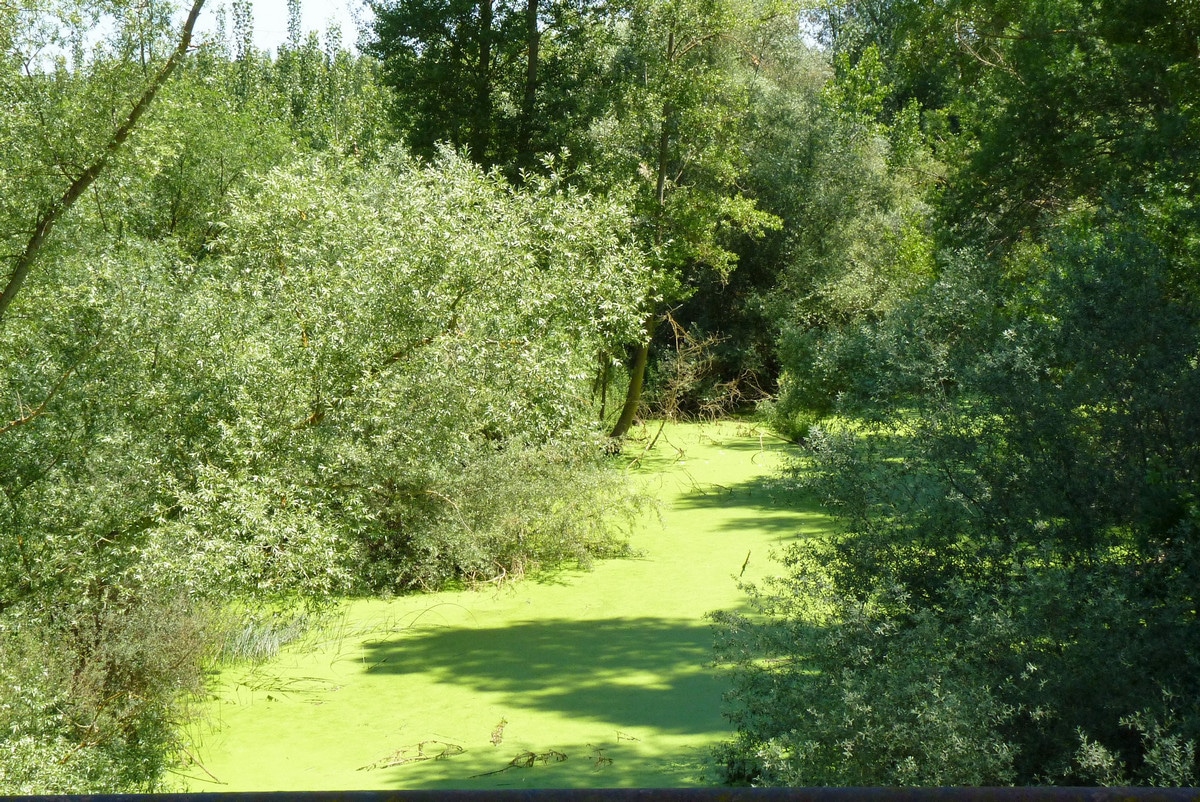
(598, 678)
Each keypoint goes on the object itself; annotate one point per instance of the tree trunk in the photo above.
(481, 139)
(637, 370)
(529, 103)
(637, 377)
(603, 378)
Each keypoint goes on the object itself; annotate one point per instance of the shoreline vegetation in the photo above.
(284, 328)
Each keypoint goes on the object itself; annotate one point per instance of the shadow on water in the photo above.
(769, 504)
(635, 680)
(610, 763)
(632, 672)
(630, 682)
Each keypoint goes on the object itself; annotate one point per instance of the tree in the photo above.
(1119, 73)
(860, 229)
(387, 351)
(510, 83)
(446, 59)
(984, 72)
(101, 152)
(1011, 600)
(648, 96)
(334, 99)
(93, 673)
(675, 130)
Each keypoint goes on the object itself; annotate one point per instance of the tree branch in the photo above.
(45, 224)
(34, 412)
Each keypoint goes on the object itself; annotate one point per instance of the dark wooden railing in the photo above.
(1033, 794)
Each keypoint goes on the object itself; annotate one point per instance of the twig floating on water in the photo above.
(526, 760)
(405, 755)
(498, 732)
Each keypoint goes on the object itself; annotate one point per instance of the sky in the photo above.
(271, 18)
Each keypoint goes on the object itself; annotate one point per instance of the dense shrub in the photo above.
(517, 509)
(1013, 598)
(94, 694)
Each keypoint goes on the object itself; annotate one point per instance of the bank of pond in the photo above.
(574, 678)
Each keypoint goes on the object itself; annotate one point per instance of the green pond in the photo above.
(596, 678)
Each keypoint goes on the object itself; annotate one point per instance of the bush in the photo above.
(92, 695)
(1013, 597)
(518, 509)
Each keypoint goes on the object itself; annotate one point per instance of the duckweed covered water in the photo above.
(599, 678)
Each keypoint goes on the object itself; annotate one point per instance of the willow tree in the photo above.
(677, 130)
(91, 677)
(78, 169)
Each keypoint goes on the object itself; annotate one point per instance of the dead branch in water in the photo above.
(405, 755)
(527, 760)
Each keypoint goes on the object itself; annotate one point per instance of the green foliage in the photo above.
(243, 371)
(504, 81)
(515, 511)
(1120, 73)
(650, 99)
(354, 351)
(332, 99)
(676, 126)
(674, 132)
(94, 697)
(839, 693)
(472, 370)
(1013, 597)
(852, 192)
(982, 70)
(1019, 547)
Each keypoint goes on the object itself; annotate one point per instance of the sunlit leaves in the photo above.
(368, 334)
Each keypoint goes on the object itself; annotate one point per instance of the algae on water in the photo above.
(595, 678)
